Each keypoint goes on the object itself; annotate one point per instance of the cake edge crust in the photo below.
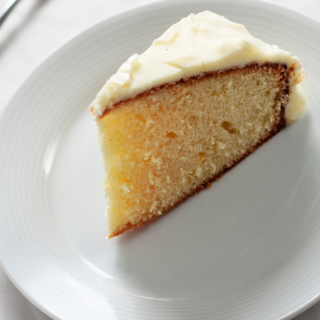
(253, 66)
(278, 126)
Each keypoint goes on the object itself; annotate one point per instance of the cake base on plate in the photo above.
(172, 141)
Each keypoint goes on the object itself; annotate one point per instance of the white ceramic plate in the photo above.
(248, 248)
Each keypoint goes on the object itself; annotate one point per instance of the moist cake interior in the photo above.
(170, 142)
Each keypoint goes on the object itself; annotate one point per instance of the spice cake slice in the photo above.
(204, 96)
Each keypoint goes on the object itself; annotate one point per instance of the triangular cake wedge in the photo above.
(204, 96)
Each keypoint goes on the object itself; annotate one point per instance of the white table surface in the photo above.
(31, 32)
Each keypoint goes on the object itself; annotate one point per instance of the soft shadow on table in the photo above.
(310, 314)
(25, 20)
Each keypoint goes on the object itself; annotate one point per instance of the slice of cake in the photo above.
(171, 120)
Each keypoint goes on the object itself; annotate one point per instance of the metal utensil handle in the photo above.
(6, 9)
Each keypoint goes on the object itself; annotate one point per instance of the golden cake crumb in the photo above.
(172, 141)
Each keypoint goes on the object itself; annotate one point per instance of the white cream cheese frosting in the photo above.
(200, 43)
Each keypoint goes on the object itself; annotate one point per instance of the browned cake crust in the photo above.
(275, 67)
(280, 123)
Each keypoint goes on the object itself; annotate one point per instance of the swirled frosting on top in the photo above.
(199, 43)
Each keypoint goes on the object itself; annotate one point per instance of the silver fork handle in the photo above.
(6, 9)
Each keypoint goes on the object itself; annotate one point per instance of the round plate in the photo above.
(248, 248)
